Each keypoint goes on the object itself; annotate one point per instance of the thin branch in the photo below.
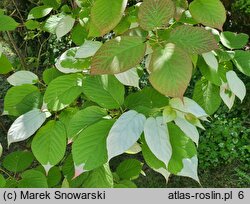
(19, 13)
(18, 52)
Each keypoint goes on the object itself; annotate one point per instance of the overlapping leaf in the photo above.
(171, 70)
(208, 12)
(155, 13)
(194, 40)
(118, 55)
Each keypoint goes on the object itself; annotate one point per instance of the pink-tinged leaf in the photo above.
(194, 40)
(171, 70)
(155, 13)
(208, 12)
(105, 15)
(118, 55)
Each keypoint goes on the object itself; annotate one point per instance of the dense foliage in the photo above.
(92, 104)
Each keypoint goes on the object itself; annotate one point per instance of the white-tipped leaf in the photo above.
(157, 138)
(22, 77)
(26, 125)
(124, 133)
(236, 85)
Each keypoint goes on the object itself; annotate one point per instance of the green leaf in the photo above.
(7, 23)
(89, 149)
(155, 13)
(157, 138)
(2, 181)
(236, 85)
(68, 167)
(182, 148)
(64, 26)
(79, 34)
(52, 3)
(99, 178)
(22, 77)
(66, 115)
(131, 123)
(104, 90)
(5, 65)
(208, 12)
(233, 40)
(207, 96)
(49, 144)
(125, 184)
(118, 55)
(145, 101)
(26, 125)
(18, 161)
(32, 25)
(39, 12)
(105, 17)
(50, 74)
(194, 40)
(68, 62)
(33, 179)
(85, 118)
(129, 78)
(21, 99)
(62, 91)
(54, 176)
(129, 169)
(242, 61)
(171, 70)
(65, 183)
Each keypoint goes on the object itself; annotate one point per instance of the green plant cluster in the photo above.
(225, 141)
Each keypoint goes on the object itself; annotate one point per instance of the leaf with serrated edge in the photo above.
(194, 40)
(207, 95)
(155, 13)
(208, 12)
(106, 14)
(89, 149)
(171, 70)
(118, 55)
(85, 118)
(131, 123)
(62, 91)
(105, 90)
(49, 143)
